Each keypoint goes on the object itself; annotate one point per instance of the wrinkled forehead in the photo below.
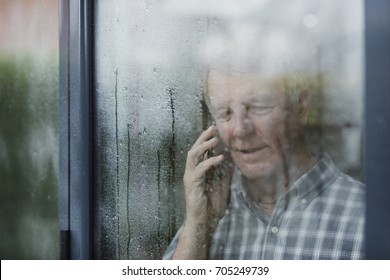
(241, 85)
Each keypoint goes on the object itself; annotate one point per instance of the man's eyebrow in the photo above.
(262, 101)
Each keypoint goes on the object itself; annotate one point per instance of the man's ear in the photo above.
(304, 104)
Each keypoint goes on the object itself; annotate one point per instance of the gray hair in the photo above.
(252, 55)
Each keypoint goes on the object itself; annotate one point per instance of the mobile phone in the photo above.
(225, 169)
(219, 149)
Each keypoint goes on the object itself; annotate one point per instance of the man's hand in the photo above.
(207, 181)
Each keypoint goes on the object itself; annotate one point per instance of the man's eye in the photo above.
(224, 114)
(260, 110)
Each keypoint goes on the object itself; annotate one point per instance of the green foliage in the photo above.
(28, 157)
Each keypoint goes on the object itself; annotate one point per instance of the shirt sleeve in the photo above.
(172, 246)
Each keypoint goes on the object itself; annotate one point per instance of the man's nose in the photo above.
(242, 125)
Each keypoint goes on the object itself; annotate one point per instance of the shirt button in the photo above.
(303, 201)
(274, 230)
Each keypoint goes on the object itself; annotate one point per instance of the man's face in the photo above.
(255, 122)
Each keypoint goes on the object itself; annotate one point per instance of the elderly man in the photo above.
(272, 199)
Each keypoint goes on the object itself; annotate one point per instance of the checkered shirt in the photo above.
(320, 217)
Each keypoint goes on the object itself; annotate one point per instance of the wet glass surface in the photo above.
(151, 60)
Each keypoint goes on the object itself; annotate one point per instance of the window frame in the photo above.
(76, 129)
(377, 128)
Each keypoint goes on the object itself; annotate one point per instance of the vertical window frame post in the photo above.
(377, 128)
(76, 129)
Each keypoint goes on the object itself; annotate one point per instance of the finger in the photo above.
(198, 153)
(205, 165)
(198, 173)
(206, 135)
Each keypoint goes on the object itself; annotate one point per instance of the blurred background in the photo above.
(29, 146)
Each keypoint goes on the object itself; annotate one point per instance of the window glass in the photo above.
(28, 129)
(151, 67)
